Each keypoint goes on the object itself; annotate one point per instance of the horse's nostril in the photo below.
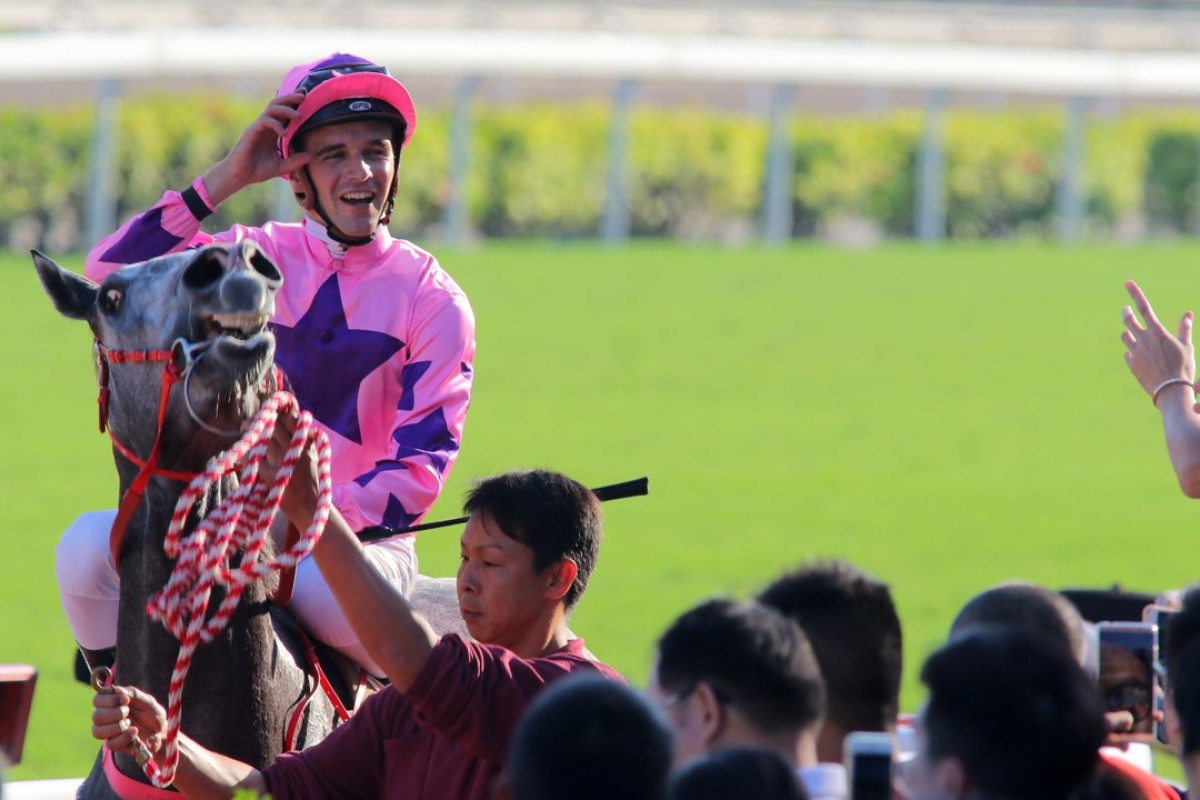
(206, 269)
(265, 267)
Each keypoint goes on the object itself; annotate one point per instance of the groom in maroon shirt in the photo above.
(441, 729)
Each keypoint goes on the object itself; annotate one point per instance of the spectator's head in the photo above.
(733, 673)
(1184, 626)
(598, 737)
(1027, 607)
(1008, 716)
(736, 774)
(851, 622)
(528, 550)
(353, 112)
(1184, 707)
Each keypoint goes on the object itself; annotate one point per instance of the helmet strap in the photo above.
(335, 233)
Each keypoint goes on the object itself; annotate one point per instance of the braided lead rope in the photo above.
(240, 524)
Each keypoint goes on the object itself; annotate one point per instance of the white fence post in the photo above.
(1071, 199)
(615, 225)
(456, 217)
(931, 172)
(777, 190)
(101, 210)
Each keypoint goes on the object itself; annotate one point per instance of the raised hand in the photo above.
(1156, 357)
(255, 157)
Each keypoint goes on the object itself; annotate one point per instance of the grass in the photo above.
(945, 418)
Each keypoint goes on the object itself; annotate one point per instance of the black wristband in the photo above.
(197, 206)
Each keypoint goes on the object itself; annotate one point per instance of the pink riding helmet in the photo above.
(343, 87)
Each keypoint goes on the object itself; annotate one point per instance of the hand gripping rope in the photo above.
(240, 524)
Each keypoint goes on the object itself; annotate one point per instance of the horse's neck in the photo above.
(229, 667)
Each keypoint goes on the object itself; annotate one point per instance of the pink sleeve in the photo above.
(427, 430)
(166, 227)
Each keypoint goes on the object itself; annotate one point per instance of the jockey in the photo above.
(376, 339)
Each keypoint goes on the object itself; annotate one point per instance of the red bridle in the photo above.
(172, 373)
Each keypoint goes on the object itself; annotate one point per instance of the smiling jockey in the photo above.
(376, 339)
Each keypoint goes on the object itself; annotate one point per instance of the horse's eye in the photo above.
(110, 300)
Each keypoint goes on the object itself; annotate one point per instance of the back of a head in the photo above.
(1021, 716)
(1184, 683)
(736, 774)
(851, 622)
(1028, 607)
(596, 736)
(551, 514)
(1184, 626)
(753, 655)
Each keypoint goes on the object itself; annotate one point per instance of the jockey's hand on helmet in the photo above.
(255, 158)
(124, 713)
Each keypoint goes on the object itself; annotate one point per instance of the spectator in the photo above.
(377, 340)
(1036, 611)
(1165, 365)
(1028, 607)
(442, 728)
(740, 773)
(738, 674)
(596, 736)
(1007, 716)
(1184, 695)
(851, 622)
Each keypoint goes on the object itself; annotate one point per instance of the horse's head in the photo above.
(205, 310)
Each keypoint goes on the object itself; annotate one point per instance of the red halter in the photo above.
(149, 468)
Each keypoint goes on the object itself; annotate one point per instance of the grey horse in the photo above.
(150, 321)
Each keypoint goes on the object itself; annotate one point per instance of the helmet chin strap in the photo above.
(336, 233)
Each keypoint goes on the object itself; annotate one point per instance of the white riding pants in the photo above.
(90, 587)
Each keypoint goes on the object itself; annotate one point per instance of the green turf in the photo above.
(945, 418)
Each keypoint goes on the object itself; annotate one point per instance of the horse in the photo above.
(185, 356)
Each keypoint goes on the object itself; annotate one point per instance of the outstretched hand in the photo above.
(255, 157)
(1153, 353)
(125, 714)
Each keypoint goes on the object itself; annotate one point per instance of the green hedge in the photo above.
(541, 170)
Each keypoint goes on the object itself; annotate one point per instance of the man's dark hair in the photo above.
(596, 736)
(752, 656)
(1028, 607)
(1184, 682)
(851, 621)
(735, 774)
(1021, 716)
(555, 517)
(1183, 626)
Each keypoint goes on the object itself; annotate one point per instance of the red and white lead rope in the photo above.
(240, 524)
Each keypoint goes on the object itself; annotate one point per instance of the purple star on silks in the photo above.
(395, 515)
(408, 380)
(326, 360)
(429, 437)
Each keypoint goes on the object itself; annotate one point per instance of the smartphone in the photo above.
(1160, 618)
(869, 757)
(1127, 652)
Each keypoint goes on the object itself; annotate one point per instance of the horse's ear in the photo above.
(72, 294)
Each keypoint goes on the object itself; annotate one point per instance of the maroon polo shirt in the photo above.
(446, 738)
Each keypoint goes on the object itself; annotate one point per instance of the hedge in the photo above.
(541, 170)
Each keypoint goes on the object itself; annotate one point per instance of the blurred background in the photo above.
(819, 383)
(850, 121)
